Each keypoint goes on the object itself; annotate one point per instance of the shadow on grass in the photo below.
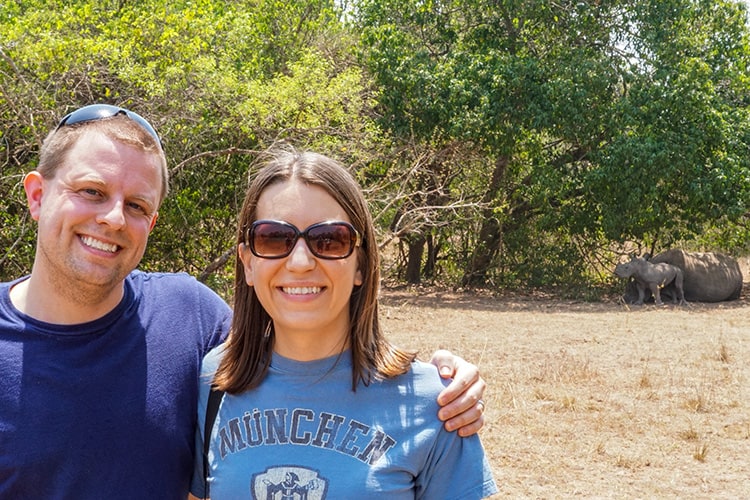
(538, 301)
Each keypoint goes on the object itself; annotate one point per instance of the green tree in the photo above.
(221, 81)
(598, 122)
(501, 142)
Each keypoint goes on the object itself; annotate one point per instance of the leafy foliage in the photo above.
(500, 142)
(600, 123)
(219, 80)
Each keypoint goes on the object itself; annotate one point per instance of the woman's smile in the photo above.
(303, 290)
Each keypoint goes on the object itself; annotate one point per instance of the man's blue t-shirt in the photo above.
(106, 409)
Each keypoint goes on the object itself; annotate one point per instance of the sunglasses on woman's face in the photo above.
(96, 112)
(270, 239)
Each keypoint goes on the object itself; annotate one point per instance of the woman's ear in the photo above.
(246, 256)
(361, 263)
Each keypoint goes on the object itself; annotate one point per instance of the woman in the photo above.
(306, 370)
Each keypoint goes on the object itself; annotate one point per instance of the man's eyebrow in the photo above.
(152, 203)
(87, 178)
(92, 179)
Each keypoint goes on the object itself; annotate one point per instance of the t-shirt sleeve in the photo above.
(454, 467)
(457, 469)
(217, 318)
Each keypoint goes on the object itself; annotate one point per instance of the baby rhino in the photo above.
(654, 276)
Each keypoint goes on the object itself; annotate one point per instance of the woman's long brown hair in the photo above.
(249, 346)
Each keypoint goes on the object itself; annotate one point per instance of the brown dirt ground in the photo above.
(598, 400)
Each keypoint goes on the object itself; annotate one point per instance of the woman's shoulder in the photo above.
(422, 368)
(212, 359)
(423, 379)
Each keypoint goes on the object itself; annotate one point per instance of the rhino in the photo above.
(708, 276)
(652, 276)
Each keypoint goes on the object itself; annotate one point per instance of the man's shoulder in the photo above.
(11, 283)
(175, 282)
(180, 288)
(162, 277)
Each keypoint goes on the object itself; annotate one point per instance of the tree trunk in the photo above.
(432, 254)
(414, 260)
(490, 233)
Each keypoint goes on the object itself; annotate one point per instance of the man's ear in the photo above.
(245, 256)
(33, 184)
(153, 222)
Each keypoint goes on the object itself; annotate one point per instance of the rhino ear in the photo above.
(647, 256)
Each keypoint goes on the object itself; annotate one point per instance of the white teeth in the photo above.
(99, 245)
(303, 290)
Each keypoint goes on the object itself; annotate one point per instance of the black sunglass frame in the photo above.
(95, 112)
(355, 241)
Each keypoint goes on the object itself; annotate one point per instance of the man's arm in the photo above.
(462, 404)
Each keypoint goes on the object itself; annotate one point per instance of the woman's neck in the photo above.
(307, 347)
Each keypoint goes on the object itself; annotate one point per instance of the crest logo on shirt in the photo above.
(289, 483)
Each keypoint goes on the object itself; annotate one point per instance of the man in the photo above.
(100, 362)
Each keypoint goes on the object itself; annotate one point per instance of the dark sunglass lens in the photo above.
(272, 239)
(331, 240)
(89, 113)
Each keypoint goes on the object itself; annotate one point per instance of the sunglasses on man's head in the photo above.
(270, 239)
(96, 112)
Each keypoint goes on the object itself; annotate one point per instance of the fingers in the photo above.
(468, 422)
(445, 362)
(462, 404)
(472, 428)
(466, 412)
(466, 378)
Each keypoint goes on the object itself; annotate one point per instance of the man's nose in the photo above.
(113, 214)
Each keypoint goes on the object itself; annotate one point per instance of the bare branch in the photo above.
(217, 264)
(204, 154)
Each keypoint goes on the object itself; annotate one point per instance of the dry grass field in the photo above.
(599, 400)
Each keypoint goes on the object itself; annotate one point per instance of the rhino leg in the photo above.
(657, 294)
(641, 294)
(678, 283)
